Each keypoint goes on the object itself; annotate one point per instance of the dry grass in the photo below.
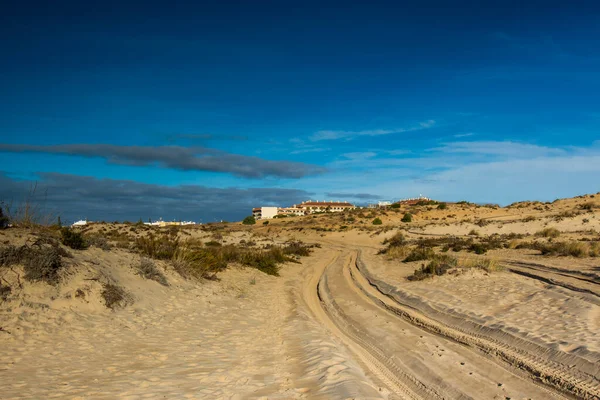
(149, 270)
(40, 262)
(115, 296)
(548, 233)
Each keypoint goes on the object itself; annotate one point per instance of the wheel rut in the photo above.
(416, 357)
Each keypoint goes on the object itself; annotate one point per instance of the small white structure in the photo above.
(264, 212)
(384, 203)
(80, 223)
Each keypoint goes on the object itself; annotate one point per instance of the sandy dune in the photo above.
(343, 323)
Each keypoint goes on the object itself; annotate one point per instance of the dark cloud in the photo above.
(359, 196)
(178, 157)
(75, 197)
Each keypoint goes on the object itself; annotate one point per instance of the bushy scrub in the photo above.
(407, 217)
(249, 220)
(72, 239)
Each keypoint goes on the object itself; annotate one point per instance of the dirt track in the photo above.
(413, 353)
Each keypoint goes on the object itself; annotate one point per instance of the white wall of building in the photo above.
(268, 212)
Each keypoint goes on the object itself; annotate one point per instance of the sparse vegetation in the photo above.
(407, 217)
(3, 220)
(40, 262)
(249, 220)
(72, 239)
(114, 296)
(377, 221)
(548, 233)
(97, 240)
(149, 270)
(442, 206)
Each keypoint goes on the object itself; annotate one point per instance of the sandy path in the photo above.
(418, 362)
(248, 336)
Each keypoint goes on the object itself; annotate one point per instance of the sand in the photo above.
(342, 323)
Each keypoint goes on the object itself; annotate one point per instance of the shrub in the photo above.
(161, 247)
(437, 266)
(377, 221)
(148, 270)
(3, 220)
(529, 218)
(575, 249)
(395, 205)
(72, 239)
(249, 220)
(396, 240)
(114, 296)
(442, 206)
(41, 263)
(97, 240)
(4, 292)
(266, 223)
(420, 253)
(213, 243)
(478, 248)
(473, 232)
(548, 233)
(407, 217)
(588, 206)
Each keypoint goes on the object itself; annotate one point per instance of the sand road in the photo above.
(325, 329)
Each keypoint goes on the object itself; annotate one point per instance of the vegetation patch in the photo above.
(97, 240)
(377, 221)
(249, 220)
(548, 233)
(114, 296)
(149, 270)
(72, 239)
(407, 217)
(41, 263)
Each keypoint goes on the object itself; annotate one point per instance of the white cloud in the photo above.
(349, 135)
(513, 149)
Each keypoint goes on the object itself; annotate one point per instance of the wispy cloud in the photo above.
(179, 158)
(349, 135)
(206, 136)
(512, 149)
(462, 135)
(358, 196)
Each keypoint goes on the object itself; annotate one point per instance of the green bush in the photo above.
(395, 205)
(72, 239)
(442, 206)
(249, 220)
(407, 217)
(266, 223)
(377, 221)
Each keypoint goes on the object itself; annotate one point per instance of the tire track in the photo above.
(560, 376)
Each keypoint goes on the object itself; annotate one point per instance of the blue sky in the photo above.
(493, 102)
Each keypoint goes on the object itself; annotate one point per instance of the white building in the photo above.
(80, 223)
(290, 211)
(384, 203)
(264, 212)
(324, 206)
